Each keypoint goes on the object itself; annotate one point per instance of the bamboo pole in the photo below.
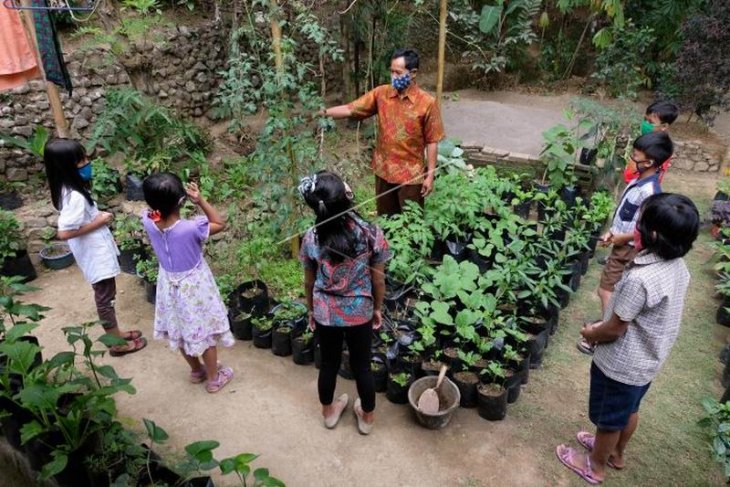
(441, 52)
(54, 99)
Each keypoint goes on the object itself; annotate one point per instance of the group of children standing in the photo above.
(642, 287)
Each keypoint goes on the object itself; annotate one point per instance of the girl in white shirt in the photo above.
(86, 229)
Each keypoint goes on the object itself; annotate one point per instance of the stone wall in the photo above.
(180, 72)
(693, 155)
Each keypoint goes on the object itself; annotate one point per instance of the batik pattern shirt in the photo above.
(343, 291)
(407, 123)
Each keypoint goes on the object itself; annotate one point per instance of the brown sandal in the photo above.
(137, 344)
(132, 335)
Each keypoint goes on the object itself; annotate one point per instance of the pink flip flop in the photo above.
(566, 455)
(587, 440)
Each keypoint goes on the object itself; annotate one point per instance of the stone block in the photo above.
(80, 123)
(702, 166)
(52, 220)
(25, 131)
(520, 157)
(35, 222)
(35, 246)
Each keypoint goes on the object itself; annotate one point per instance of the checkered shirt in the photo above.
(650, 296)
(627, 212)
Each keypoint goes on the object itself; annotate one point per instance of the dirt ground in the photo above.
(271, 407)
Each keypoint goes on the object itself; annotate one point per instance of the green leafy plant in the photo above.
(559, 155)
(718, 423)
(105, 183)
(148, 268)
(35, 144)
(401, 378)
(150, 136)
(128, 232)
(11, 238)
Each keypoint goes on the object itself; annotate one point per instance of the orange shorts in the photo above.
(614, 268)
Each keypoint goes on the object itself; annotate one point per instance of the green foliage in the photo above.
(559, 155)
(718, 423)
(149, 135)
(35, 144)
(703, 62)
(496, 36)
(401, 378)
(148, 268)
(622, 64)
(105, 183)
(11, 238)
(128, 232)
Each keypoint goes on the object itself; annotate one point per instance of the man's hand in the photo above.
(427, 186)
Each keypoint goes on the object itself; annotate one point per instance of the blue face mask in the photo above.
(85, 172)
(402, 82)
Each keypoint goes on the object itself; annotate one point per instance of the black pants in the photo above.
(359, 340)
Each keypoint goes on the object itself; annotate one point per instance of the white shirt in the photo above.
(96, 252)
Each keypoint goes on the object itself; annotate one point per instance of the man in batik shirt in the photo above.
(409, 125)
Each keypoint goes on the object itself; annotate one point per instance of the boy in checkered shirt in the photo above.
(639, 327)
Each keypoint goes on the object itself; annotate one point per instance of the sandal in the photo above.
(566, 455)
(332, 421)
(200, 375)
(362, 426)
(132, 335)
(137, 344)
(587, 440)
(225, 374)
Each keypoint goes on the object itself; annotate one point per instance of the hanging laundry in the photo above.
(50, 47)
(17, 60)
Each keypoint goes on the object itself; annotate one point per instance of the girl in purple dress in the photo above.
(189, 313)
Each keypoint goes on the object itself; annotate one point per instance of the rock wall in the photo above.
(693, 155)
(180, 72)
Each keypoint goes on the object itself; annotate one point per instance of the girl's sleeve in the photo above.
(305, 251)
(202, 228)
(72, 212)
(381, 252)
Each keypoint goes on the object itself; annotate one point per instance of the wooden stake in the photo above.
(441, 53)
(54, 98)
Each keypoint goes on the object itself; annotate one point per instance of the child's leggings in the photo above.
(359, 340)
(104, 294)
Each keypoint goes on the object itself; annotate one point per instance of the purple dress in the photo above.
(189, 313)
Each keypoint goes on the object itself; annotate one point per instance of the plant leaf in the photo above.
(489, 18)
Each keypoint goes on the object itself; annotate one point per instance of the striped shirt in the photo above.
(650, 297)
(627, 212)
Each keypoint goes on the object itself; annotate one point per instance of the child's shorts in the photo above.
(610, 403)
(614, 268)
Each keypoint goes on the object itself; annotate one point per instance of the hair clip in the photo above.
(155, 215)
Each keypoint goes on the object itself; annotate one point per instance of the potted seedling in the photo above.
(303, 348)
(512, 373)
(249, 300)
(262, 332)
(380, 374)
(281, 339)
(522, 201)
(9, 197)
(147, 270)
(467, 380)
(492, 395)
(56, 255)
(129, 236)
(14, 259)
(398, 384)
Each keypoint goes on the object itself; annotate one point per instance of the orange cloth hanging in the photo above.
(17, 60)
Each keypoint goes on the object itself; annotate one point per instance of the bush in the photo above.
(702, 69)
(11, 240)
(622, 66)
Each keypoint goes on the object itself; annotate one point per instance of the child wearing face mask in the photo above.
(650, 152)
(658, 117)
(189, 311)
(86, 229)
